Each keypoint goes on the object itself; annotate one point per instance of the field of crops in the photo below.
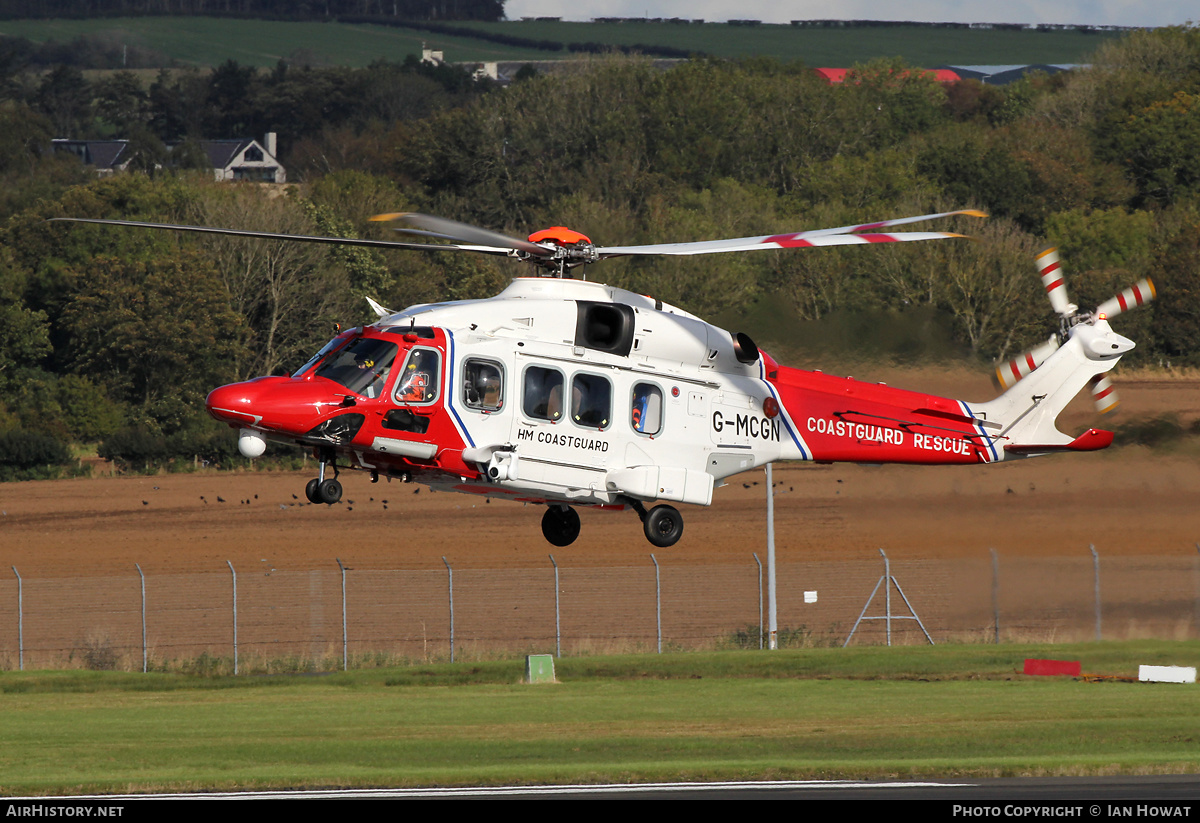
(210, 41)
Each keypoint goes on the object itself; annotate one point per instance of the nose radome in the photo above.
(233, 403)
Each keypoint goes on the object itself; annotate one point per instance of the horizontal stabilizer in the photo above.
(1090, 441)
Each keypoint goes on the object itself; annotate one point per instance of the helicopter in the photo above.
(567, 392)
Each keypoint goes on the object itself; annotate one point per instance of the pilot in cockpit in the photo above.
(417, 382)
(374, 378)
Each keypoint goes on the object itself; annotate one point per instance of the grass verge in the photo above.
(871, 712)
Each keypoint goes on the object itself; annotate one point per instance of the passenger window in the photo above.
(419, 380)
(591, 401)
(543, 394)
(483, 385)
(646, 416)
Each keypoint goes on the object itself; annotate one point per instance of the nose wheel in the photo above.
(322, 490)
(560, 525)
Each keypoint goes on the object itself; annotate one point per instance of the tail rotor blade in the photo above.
(1103, 393)
(1138, 294)
(1050, 269)
(1009, 373)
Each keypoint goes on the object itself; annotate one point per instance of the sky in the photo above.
(1089, 12)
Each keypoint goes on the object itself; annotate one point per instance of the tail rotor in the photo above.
(1103, 393)
(1139, 294)
(1006, 376)
(1050, 269)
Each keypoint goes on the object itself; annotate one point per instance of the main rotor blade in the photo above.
(304, 238)
(430, 226)
(840, 236)
(772, 241)
(899, 221)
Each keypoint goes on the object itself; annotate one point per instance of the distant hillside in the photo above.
(212, 40)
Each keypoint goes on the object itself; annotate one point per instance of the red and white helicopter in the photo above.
(572, 393)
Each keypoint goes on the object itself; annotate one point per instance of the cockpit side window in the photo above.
(362, 366)
(647, 407)
(420, 378)
(483, 385)
(543, 395)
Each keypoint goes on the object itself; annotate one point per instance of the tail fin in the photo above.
(1028, 410)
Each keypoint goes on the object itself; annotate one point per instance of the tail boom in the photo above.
(834, 419)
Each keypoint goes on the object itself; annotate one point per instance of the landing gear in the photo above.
(560, 525)
(330, 491)
(323, 491)
(320, 490)
(663, 526)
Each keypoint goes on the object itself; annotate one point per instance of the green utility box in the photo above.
(539, 668)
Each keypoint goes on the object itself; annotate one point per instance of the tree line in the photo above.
(113, 337)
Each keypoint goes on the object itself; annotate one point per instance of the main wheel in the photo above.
(310, 490)
(329, 492)
(560, 526)
(663, 526)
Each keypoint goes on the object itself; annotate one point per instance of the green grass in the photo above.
(210, 41)
(871, 712)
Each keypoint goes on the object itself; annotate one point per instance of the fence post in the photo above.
(557, 624)
(451, 572)
(760, 601)
(20, 619)
(1096, 578)
(995, 595)
(345, 659)
(142, 575)
(235, 639)
(657, 601)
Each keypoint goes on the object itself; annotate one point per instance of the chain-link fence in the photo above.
(321, 618)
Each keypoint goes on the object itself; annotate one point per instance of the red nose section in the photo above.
(278, 404)
(238, 403)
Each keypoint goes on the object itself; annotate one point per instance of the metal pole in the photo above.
(20, 619)
(345, 642)
(760, 601)
(995, 595)
(451, 571)
(1096, 578)
(657, 602)
(887, 593)
(143, 576)
(235, 642)
(772, 611)
(557, 623)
